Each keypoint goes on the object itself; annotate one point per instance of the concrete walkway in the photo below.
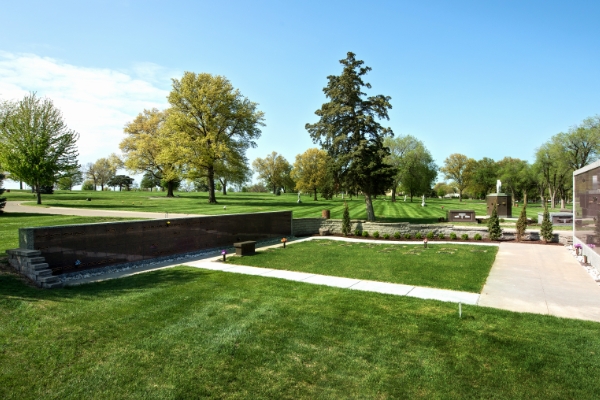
(17, 207)
(543, 280)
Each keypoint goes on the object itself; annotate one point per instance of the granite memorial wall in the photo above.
(75, 248)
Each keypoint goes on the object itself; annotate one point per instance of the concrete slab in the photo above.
(240, 269)
(331, 281)
(289, 275)
(543, 280)
(215, 266)
(383, 287)
(444, 295)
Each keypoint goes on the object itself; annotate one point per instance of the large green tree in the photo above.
(152, 148)
(350, 132)
(274, 170)
(417, 171)
(214, 121)
(310, 171)
(459, 168)
(484, 176)
(36, 146)
(399, 147)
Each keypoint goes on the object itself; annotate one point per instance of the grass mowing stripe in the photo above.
(445, 266)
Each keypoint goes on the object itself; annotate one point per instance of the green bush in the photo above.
(430, 235)
(87, 185)
(346, 226)
(357, 232)
(365, 234)
(546, 228)
(376, 234)
(386, 236)
(453, 236)
(441, 236)
(464, 236)
(407, 236)
(418, 235)
(477, 236)
(397, 235)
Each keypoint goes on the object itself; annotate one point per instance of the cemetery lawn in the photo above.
(11, 222)
(446, 266)
(190, 333)
(235, 203)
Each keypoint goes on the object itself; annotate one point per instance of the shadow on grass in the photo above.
(13, 290)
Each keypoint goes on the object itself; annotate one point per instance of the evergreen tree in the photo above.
(348, 129)
(546, 231)
(346, 226)
(494, 225)
(522, 223)
(2, 199)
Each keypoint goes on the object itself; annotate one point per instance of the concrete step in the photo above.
(42, 272)
(23, 252)
(36, 267)
(54, 285)
(36, 260)
(47, 279)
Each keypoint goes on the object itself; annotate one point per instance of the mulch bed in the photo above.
(434, 240)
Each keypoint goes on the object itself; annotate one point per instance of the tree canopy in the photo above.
(348, 129)
(36, 146)
(274, 170)
(310, 171)
(213, 121)
(459, 168)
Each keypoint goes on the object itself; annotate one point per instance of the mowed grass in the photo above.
(187, 333)
(11, 222)
(456, 267)
(197, 203)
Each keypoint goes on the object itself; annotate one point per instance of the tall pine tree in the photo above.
(349, 131)
(346, 225)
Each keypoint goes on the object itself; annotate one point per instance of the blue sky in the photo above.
(482, 78)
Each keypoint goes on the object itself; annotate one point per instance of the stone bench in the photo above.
(247, 248)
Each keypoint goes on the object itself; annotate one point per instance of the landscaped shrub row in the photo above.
(418, 235)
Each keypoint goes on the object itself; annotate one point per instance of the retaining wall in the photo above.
(73, 248)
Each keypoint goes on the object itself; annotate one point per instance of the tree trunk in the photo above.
(39, 194)
(211, 185)
(274, 192)
(460, 195)
(394, 194)
(562, 203)
(224, 185)
(21, 185)
(524, 199)
(170, 185)
(315, 197)
(369, 204)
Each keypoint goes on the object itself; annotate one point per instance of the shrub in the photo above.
(397, 235)
(453, 236)
(464, 236)
(546, 228)
(501, 219)
(521, 224)
(418, 235)
(477, 236)
(346, 227)
(376, 234)
(365, 234)
(357, 232)
(407, 236)
(386, 236)
(494, 225)
(441, 235)
(430, 235)
(87, 185)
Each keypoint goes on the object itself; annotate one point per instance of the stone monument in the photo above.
(502, 200)
(423, 201)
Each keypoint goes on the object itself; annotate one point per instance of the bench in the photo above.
(247, 248)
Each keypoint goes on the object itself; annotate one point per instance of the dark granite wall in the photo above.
(79, 247)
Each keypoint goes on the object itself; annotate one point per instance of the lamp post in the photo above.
(284, 241)
(224, 253)
(425, 243)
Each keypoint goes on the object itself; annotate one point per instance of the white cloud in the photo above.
(95, 102)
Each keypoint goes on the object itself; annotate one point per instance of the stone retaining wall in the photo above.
(311, 226)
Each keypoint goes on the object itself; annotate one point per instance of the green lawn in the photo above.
(188, 333)
(196, 203)
(11, 222)
(455, 267)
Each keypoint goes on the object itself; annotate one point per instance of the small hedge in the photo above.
(418, 235)
(357, 232)
(477, 236)
(430, 235)
(464, 236)
(376, 234)
(386, 236)
(397, 235)
(453, 236)
(365, 234)
(407, 236)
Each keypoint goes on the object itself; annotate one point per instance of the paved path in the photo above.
(543, 280)
(17, 207)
